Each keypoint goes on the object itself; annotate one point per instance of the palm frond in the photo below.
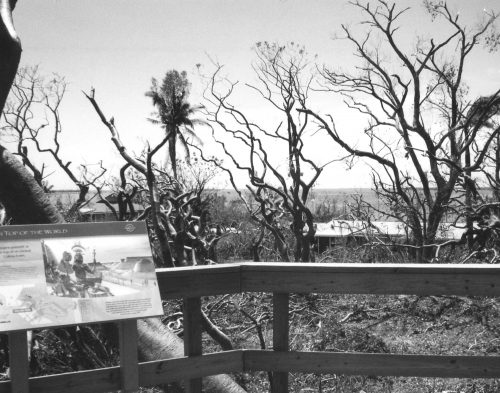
(154, 121)
(192, 134)
(198, 122)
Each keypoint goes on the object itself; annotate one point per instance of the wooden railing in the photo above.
(280, 279)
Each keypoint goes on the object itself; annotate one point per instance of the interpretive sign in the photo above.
(65, 274)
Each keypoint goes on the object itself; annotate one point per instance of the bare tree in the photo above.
(186, 211)
(159, 228)
(274, 157)
(32, 116)
(421, 124)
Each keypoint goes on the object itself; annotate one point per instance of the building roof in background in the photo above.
(358, 228)
(96, 206)
(93, 205)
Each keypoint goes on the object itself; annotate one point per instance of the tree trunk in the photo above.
(417, 240)
(468, 201)
(10, 49)
(24, 201)
(157, 342)
(281, 246)
(307, 254)
(303, 240)
(256, 245)
(181, 258)
(496, 188)
(158, 227)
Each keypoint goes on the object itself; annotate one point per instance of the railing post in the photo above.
(192, 337)
(129, 368)
(19, 362)
(280, 338)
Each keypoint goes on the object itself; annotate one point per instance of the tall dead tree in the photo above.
(274, 157)
(264, 209)
(420, 126)
(32, 117)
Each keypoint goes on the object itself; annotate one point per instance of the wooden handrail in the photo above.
(163, 371)
(283, 278)
(380, 364)
(377, 279)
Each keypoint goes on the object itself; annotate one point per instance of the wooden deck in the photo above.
(281, 279)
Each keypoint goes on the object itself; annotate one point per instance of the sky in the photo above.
(107, 248)
(117, 46)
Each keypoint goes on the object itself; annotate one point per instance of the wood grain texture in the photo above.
(156, 372)
(374, 364)
(280, 338)
(387, 279)
(129, 369)
(464, 280)
(19, 362)
(150, 373)
(101, 380)
(198, 281)
(192, 337)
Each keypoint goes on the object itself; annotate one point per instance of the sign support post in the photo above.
(19, 362)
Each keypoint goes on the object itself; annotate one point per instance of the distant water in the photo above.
(340, 197)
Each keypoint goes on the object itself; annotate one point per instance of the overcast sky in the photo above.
(117, 46)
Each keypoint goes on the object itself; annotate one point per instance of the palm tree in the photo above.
(174, 112)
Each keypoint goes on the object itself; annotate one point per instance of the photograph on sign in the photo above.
(88, 273)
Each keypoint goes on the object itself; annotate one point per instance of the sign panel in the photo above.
(65, 274)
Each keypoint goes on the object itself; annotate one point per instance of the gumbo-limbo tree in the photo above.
(422, 125)
(26, 203)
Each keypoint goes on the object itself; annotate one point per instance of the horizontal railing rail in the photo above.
(192, 283)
